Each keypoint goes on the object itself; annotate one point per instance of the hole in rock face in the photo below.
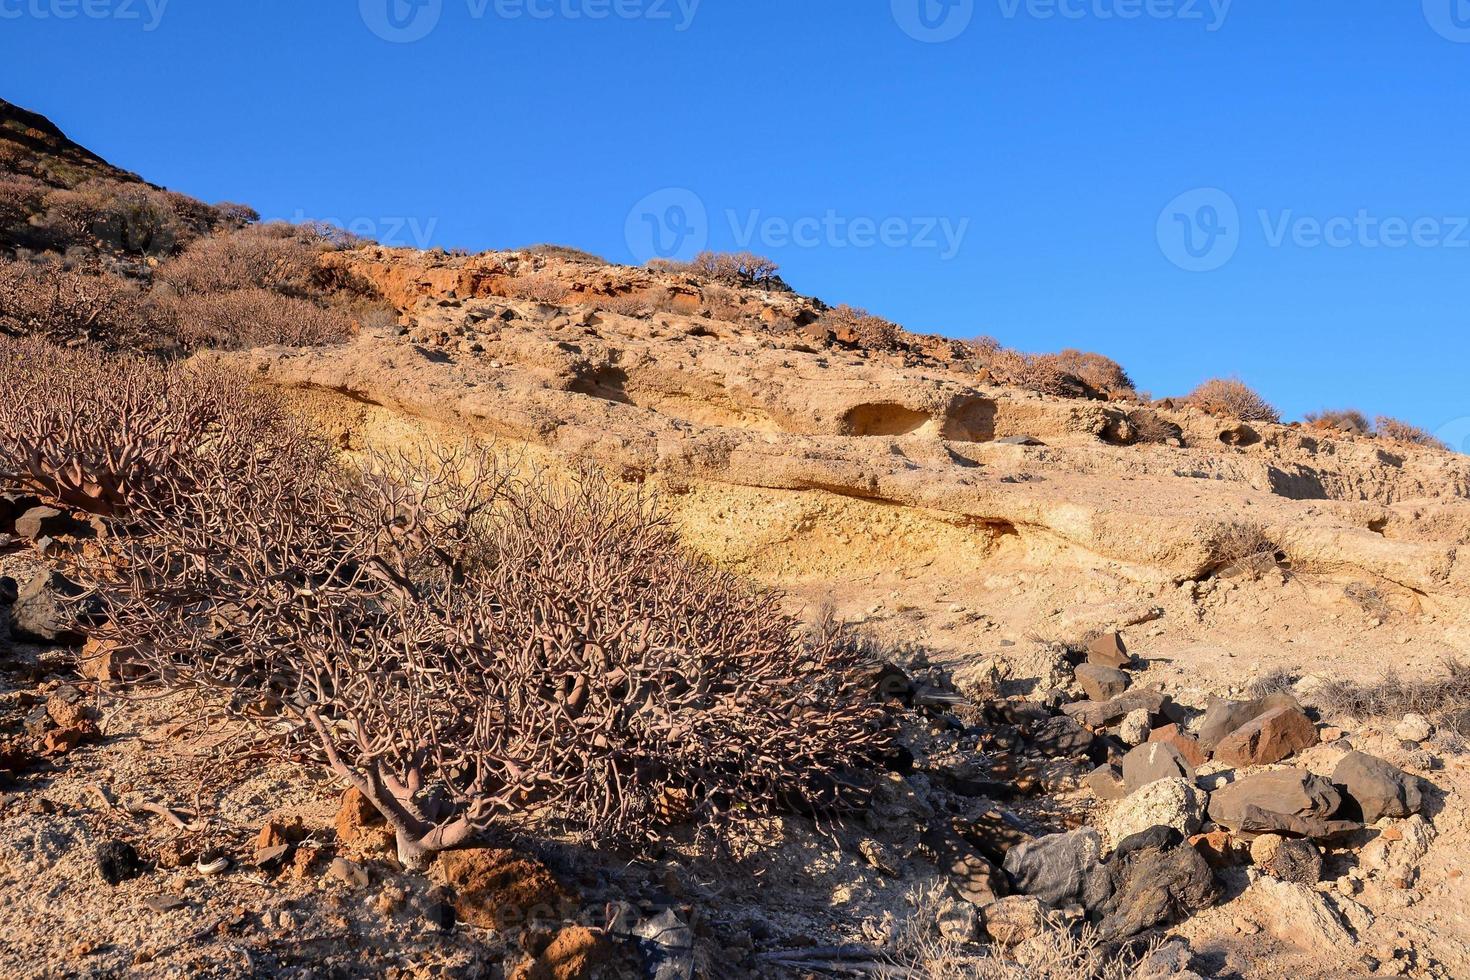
(1239, 435)
(971, 421)
(882, 419)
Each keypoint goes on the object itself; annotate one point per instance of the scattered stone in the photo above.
(1061, 869)
(1395, 854)
(1153, 761)
(438, 908)
(1106, 781)
(45, 611)
(43, 522)
(1380, 789)
(359, 822)
(1101, 683)
(12, 506)
(1269, 738)
(1173, 803)
(1223, 717)
(1182, 742)
(958, 920)
(63, 740)
(1298, 914)
(971, 875)
(348, 872)
(879, 856)
(1157, 879)
(1283, 800)
(66, 713)
(1414, 728)
(1108, 650)
(500, 889)
(1011, 921)
(1134, 728)
(667, 944)
(1287, 859)
(164, 904)
(1220, 849)
(1060, 736)
(118, 862)
(1101, 714)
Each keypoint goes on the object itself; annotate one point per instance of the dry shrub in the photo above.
(20, 198)
(1103, 374)
(1348, 420)
(1277, 680)
(566, 253)
(538, 287)
(259, 257)
(235, 215)
(1232, 398)
(93, 431)
(853, 325)
(1041, 373)
(131, 218)
(1445, 697)
(736, 268)
(1243, 547)
(245, 318)
(1150, 426)
(1396, 430)
(47, 299)
(625, 304)
(1369, 599)
(472, 652)
(916, 949)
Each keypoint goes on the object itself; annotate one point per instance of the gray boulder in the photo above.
(1381, 789)
(1152, 761)
(1157, 879)
(1287, 801)
(1061, 869)
(1223, 716)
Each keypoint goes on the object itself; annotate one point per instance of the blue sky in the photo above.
(1268, 189)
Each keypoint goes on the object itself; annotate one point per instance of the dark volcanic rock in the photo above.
(1061, 869)
(1379, 788)
(1101, 714)
(1223, 717)
(1157, 879)
(44, 613)
(1061, 736)
(1290, 801)
(1278, 734)
(118, 862)
(1101, 683)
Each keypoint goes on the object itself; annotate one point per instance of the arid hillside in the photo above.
(1163, 688)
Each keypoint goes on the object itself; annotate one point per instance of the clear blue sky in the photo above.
(1049, 137)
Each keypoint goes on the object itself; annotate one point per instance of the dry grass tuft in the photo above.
(1395, 430)
(538, 287)
(1348, 420)
(1445, 697)
(1243, 548)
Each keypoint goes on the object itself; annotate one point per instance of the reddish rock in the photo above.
(574, 953)
(1182, 742)
(1107, 650)
(63, 740)
(66, 714)
(359, 822)
(500, 889)
(1101, 683)
(1270, 738)
(1220, 849)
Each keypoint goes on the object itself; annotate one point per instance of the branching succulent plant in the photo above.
(472, 650)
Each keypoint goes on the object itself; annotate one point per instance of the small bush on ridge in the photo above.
(1232, 398)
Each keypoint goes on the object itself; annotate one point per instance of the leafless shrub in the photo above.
(1277, 680)
(1396, 430)
(566, 253)
(1103, 374)
(234, 215)
(1150, 426)
(852, 325)
(736, 268)
(132, 218)
(1243, 547)
(248, 259)
(93, 431)
(245, 318)
(1445, 697)
(625, 304)
(470, 651)
(1232, 398)
(916, 948)
(1348, 420)
(1041, 373)
(45, 299)
(538, 287)
(20, 198)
